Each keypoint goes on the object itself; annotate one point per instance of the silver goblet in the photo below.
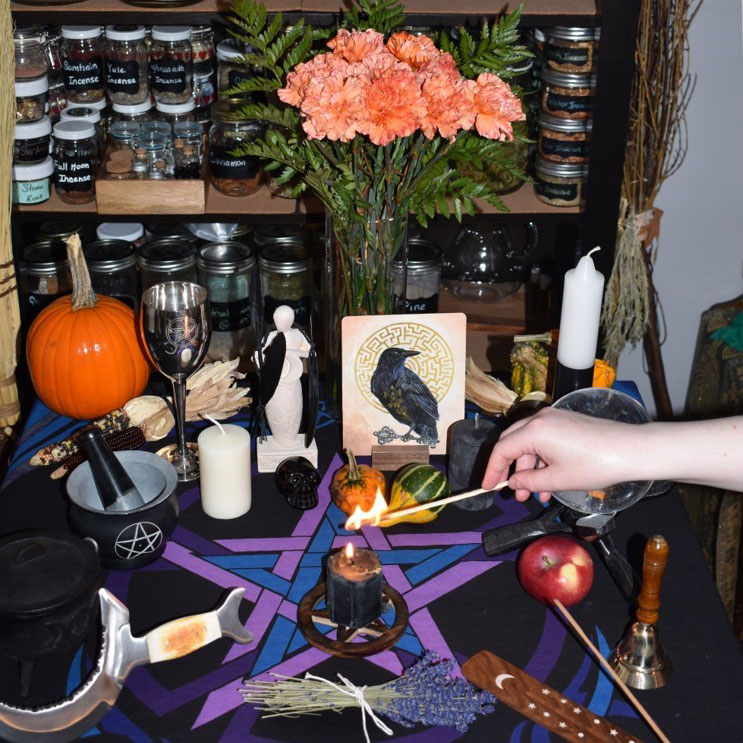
(176, 325)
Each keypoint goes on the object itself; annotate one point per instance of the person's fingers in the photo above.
(536, 480)
(502, 456)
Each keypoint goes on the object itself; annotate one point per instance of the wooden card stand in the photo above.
(393, 456)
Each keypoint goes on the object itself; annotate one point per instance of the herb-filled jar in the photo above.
(30, 98)
(113, 270)
(567, 95)
(138, 112)
(232, 70)
(563, 140)
(175, 112)
(570, 49)
(82, 63)
(233, 175)
(202, 49)
(31, 181)
(30, 56)
(32, 141)
(423, 275)
(227, 271)
(559, 184)
(131, 232)
(285, 268)
(75, 161)
(167, 260)
(44, 274)
(171, 66)
(127, 64)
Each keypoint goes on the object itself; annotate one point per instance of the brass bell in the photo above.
(639, 659)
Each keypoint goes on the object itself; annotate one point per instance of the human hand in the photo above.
(560, 450)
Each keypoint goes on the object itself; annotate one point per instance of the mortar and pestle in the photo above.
(125, 501)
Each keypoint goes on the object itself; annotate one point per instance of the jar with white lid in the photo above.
(82, 63)
(567, 95)
(563, 140)
(232, 70)
(175, 112)
(127, 64)
(30, 98)
(570, 49)
(88, 114)
(32, 141)
(422, 277)
(31, 182)
(559, 184)
(133, 111)
(131, 232)
(75, 161)
(171, 64)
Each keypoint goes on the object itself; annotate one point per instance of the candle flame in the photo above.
(349, 550)
(361, 518)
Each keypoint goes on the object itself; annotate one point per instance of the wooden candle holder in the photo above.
(378, 635)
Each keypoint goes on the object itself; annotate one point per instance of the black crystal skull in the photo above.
(297, 480)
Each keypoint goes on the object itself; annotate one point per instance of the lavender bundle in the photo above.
(426, 693)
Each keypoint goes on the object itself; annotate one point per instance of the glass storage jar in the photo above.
(202, 50)
(91, 116)
(57, 101)
(44, 274)
(30, 55)
(30, 98)
(82, 63)
(563, 140)
(559, 184)
(131, 232)
(75, 161)
(423, 276)
(53, 53)
(167, 260)
(59, 231)
(232, 71)
(138, 112)
(570, 49)
(285, 268)
(123, 134)
(112, 265)
(567, 95)
(127, 64)
(157, 127)
(175, 112)
(168, 231)
(32, 141)
(231, 174)
(227, 271)
(31, 181)
(191, 134)
(171, 66)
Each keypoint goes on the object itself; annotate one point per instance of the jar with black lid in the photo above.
(171, 64)
(127, 64)
(168, 231)
(227, 270)
(58, 231)
(82, 63)
(285, 268)
(567, 95)
(570, 49)
(112, 265)
(75, 161)
(563, 140)
(167, 260)
(44, 275)
(559, 184)
(423, 275)
(32, 141)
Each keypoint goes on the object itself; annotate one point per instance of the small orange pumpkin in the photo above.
(83, 351)
(356, 485)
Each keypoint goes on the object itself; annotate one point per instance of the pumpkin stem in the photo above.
(353, 469)
(82, 291)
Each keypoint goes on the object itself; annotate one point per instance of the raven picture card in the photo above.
(403, 379)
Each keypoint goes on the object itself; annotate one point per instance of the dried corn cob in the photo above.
(129, 438)
(116, 420)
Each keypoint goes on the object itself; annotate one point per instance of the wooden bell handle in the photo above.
(653, 566)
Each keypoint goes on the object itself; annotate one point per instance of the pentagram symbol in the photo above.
(138, 539)
(179, 332)
(434, 365)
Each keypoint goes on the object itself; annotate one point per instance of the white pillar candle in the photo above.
(581, 312)
(224, 461)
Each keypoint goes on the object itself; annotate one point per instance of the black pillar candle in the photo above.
(353, 590)
(568, 380)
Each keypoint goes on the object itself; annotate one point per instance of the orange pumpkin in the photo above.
(356, 485)
(83, 351)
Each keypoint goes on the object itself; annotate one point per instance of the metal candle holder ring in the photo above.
(380, 636)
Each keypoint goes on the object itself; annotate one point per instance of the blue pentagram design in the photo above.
(138, 539)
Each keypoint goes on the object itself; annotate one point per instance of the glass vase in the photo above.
(358, 280)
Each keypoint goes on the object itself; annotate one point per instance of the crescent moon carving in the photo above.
(501, 678)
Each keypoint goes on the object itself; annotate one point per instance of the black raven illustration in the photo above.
(405, 396)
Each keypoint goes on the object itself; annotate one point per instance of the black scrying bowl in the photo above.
(127, 539)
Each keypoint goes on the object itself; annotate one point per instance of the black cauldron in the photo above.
(133, 538)
(48, 596)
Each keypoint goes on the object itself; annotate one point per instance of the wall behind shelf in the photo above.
(701, 243)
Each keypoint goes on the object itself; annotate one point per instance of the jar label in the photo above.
(568, 103)
(302, 308)
(234, 78)
(419, 305)
(228, 316)
(122, 76)
(563, 147)
(574, 56)
(83, 74)
(74, 172)
(30, 150)
(225, 165)
(30, 192)
(169, 75)
(560, 191)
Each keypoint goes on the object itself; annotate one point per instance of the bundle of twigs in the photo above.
(9, 407)
(656, 147)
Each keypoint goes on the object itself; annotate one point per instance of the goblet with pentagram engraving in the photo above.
(176, 327)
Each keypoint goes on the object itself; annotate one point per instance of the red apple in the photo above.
(556, 567)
